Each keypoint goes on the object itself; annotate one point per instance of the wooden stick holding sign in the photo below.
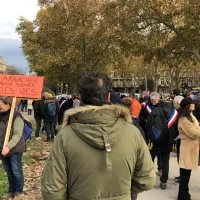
(10, 121)
(29, 87)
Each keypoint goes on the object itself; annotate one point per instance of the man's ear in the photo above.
(108, 98)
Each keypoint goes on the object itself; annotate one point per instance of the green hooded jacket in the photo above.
(98, 154)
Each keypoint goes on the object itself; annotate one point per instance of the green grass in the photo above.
(3, 182)
(32, 147)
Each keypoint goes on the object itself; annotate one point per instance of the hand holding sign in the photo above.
(5, 151)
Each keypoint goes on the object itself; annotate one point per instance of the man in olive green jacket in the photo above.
(98, 153)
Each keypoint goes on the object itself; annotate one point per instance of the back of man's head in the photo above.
(94, 88)
(176, 92)
(177, 101)
(146, 98)
(133, 96)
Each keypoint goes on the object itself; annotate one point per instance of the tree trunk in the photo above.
(156, 75)
(196, 54)
(176, 78)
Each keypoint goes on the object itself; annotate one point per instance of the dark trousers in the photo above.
(183, 193)
(29, 111)
(50, 129)
(134, 198)
(165, 164)
(24, 107)
(38, 126)
(154, 153)
(13, 167)
(178, 144)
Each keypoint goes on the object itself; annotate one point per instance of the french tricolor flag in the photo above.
(172, 118)
(148, 108)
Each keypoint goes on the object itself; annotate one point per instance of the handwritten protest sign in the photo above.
(21, 86)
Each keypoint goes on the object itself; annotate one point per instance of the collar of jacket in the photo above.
(117, 109)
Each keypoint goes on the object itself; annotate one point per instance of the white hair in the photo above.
(178, 99)
(154, 95)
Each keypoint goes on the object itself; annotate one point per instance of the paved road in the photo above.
(29, 116)
(171, 192)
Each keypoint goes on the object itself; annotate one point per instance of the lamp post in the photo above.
(145, 75)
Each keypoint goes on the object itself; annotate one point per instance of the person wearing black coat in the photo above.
(49, 121)
(114, 98)
(65, 104)
(196, 112)
(165, 112)
(37, 107)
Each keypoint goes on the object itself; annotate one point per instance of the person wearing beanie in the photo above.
(189, 131)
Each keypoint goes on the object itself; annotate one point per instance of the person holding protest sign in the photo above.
(11, 154)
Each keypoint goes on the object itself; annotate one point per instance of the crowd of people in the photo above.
(101, 151)
(48, 110)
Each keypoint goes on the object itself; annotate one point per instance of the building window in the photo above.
(115, 74)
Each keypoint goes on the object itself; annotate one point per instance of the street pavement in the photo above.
(171, 192)
(25, 114)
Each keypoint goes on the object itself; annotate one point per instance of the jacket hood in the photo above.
(119, 111)
(99, 126)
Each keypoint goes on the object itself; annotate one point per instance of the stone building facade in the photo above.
(3, 66)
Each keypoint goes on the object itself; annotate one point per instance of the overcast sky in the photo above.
(10, 43)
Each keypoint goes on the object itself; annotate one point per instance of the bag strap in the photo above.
(172, 118)
(18, 114)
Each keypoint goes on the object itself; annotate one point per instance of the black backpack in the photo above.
(157, 126)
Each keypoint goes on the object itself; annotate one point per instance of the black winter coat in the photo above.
(37, 107)
(64, 107)
(196, 112)
(167, 109)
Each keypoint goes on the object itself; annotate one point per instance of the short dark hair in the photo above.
(127, 102)
(133, 95)
(176, 91)
(94, 88)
